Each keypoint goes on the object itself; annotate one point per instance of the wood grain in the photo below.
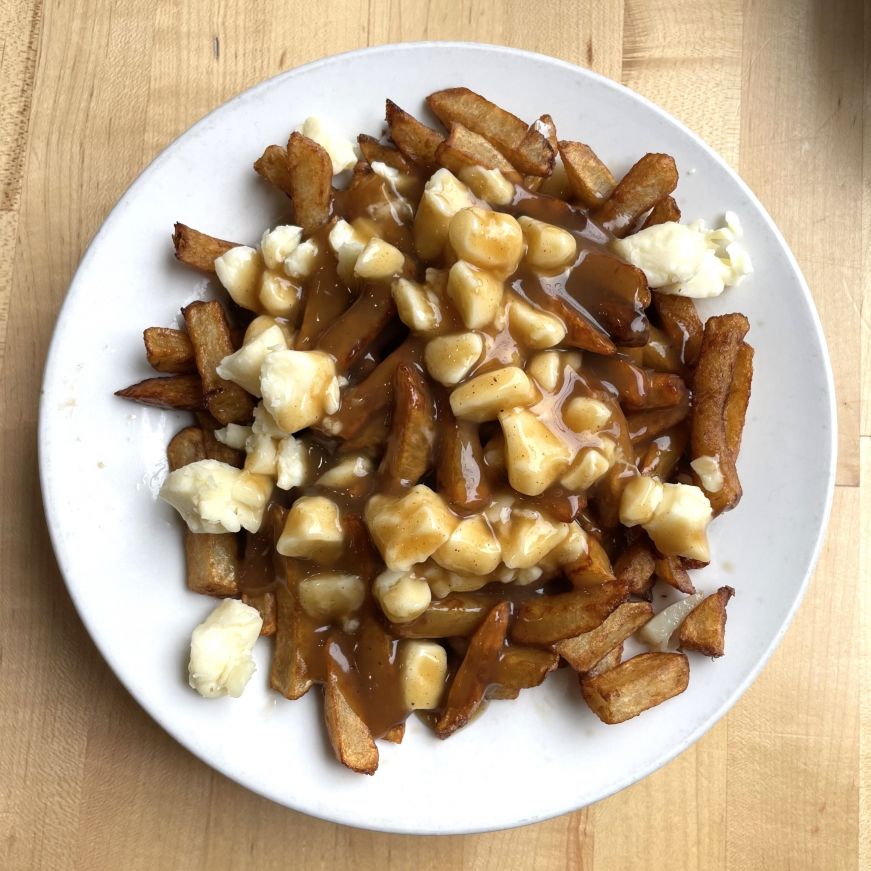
(90, 91)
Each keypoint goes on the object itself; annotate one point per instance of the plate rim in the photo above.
(45, 414)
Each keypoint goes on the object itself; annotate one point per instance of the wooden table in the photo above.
(90, 91)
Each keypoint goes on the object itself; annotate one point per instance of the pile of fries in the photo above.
(512, 441)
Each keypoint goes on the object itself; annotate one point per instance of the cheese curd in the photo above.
(312, 530)
(402, 595)
(299, 387)
(220, 661)
(449, 359)
(443, 196)
(243, 366)
(535, 456)
(239, 270)
(423, 670)
(278, 244)
(340, 149)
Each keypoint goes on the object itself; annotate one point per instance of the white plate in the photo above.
(102, 461)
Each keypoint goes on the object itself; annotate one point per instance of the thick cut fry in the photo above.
(590, 568)
(634, 686)
(545, 619)
(635, 567)
(464, 148)
(216, 450)
(585, 651)
(412, 431)
(289, 673)
(211, 559)
(610, 660)
(520, 668)
(273, 166)
(417, 142)
(664, 211)
(525, 147)
(310, 175)
(647, 425)
(348, 337)
(662, 455)
(704, 629)
(590, 180)
(653, 178)
(461, 478)
(210, 336)
(183, 392)
(265, 605)
(169, 350)
(682, 324)
(456, 616)
(670, 570)
(546, 126)
(326, 299)
(712, 384)
(395, 734)
(476, 672)
(350, 737)
(198, 249)
(377, 152)
(635, 387)
(738, 399)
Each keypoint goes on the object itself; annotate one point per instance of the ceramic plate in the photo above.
(103, 460)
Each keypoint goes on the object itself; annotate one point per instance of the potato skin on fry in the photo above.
(585, 651)
(310, 176)
(273, 167)
(183, 392)
(664, 211)
(704, 629)
(169, 350)
(634, 686)
(590, 180)
(198, 249)
(417, 142)
(350, 737)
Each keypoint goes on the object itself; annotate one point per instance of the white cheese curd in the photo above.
(338, 147)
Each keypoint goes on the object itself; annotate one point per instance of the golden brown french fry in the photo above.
(265, 604)
(590, 180)
(583, 652)
(546, 126)
(712, 384)
(545, 619)
(640, 683)
(591, 568)
(610, 660)
(647, 425)
(289, 673)
(417, 142)
(183, 392)
(326, 299)
(662, 455)
(525, 147)
(197, 249)
(475, 673)
(350, 737)
(395, 734)
(635, 567)
(738, 398)
(310, 174)
(185, 447)
(460, 464)
(210, 336)
(638, 388)
(520, 668)
(704, 628)
(681, 323)
(670, 570)
(169, 350)
(652, 178)
(456, 616)
(378, 152)
(272, 166)
(216, 450)
(664, 211)
(464, 148)
(409, 447)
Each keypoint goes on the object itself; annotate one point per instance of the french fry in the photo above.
(545, 619)
(326, 299)
(182, 392)
(310, 174)
(670, 570)
(682, 324)
(664, 211)
(395, 734)
(211, 559)
(583, 652)
(409, 447)
(350, 737)
(704, 628)
(460, 465)
(289, 673)
(169, 350)
(520, 668)
(712, 384)
(464, 148)
(591, 568)
(545, 125)
(377, 152)
(197, 249)
(640, 683)
(458, 615)
(417, 142)
(663, 454)
(216, 450)
(610, 660)
(350, 334)
(638, 388)
(591, 182)
(272, 166)
(475, 673)
(210, 336)
(738, 398)
(525, 147)
(635, 567)
(651, 179)
(647, 425)
(265, 604)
